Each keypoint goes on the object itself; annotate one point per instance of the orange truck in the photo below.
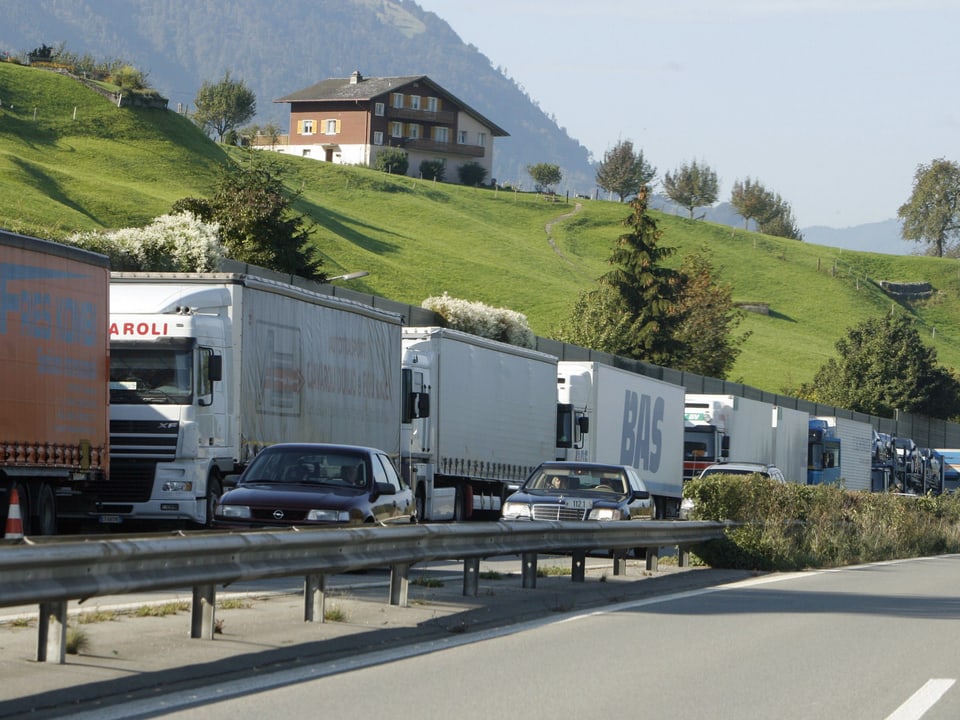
(54, 364)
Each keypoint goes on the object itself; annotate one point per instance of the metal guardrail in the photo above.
(53, 573)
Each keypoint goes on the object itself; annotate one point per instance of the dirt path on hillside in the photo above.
(548, 228)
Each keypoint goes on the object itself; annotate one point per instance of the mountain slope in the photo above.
(277, 50)
(113, 167)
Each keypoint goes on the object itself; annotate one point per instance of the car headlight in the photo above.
(605, 514)
(515, 511)
(237, 512)
(321, 515)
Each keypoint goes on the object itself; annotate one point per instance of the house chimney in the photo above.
(355, 77)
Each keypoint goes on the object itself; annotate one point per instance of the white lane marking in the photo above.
(922, 700)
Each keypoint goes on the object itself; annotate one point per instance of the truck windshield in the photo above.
(156, 375)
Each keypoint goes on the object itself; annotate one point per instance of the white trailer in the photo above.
(856, 451)
(478, 416)
(207, 369)
(610, 415)
(791, 428)
(718, 428)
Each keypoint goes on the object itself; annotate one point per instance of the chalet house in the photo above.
(349, 120)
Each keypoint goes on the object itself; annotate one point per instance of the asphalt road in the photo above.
(131, 658)
(870, 642)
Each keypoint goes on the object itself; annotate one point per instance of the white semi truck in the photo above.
(610, 415)
(791, 429)
(478, 416)
(718, 428)
(207, 369)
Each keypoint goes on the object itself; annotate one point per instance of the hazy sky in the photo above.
(830, 103)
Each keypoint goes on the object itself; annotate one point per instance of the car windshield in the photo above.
(735, 471)
(308, 467)
(577, 479)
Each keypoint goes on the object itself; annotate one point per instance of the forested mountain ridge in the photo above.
(278, 49)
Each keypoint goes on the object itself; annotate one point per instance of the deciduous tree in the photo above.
(751, 200)
(882, 365)
(624, 171)
(692, 186)
(780, 221)
(634, 310)
(709, 320)
(932, 214)
(224, 105)
(545, 176)
(257, 224)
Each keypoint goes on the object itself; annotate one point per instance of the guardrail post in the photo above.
(528, 569)
(399, 584)
(578, 569)
(653, 559)
(471, 576)
(619, 562)
(313, 598)
(52, 632)
(683, 556)
(202, 610)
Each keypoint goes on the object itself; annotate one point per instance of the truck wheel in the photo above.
(421, 507)
(459, 513)
(214, 491)
(46, 516)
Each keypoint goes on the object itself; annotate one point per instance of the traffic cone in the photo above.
(14, 529)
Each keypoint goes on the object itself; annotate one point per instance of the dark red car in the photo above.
(316, 484)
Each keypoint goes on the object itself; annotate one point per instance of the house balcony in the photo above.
(446, 148)
(422, 116)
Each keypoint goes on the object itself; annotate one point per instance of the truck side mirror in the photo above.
(583, 422)
(215, 368)
(725, 446)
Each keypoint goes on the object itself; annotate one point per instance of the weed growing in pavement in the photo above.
(162, 610)
(77, 640)
(423, 581)
(218, 626)
(491, 575)
(237, 603)
(21, 622)
(553, 571)
(335, 613)
(94, 616)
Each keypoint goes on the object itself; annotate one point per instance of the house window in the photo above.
(396, 129)
(432, 104)
(306, 127)
(378, 109)
(398, 100)
(413, 131)
(441, 134)
(331, 127)
(481, 139)
(377, 138)
(462, 137)
(414, 102)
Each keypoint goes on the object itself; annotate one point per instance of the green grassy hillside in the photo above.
(115, 167)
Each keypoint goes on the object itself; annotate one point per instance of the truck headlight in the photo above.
(237, 512)
(177, 486)
(515, 511)
(605, 514)
(318, 515)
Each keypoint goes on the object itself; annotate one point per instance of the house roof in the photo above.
(358, 87)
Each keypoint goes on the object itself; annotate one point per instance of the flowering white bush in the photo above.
(478, 319)
(171, 243)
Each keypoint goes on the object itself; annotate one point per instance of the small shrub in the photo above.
(553, 571)
(393, 161)
(335, 613)
(427, 582)
(476, 318)
(433, 170)
(472, 174)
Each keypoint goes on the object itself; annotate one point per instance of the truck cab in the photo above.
(168, 420)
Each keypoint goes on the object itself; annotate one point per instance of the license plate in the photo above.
(110, 519)
(578, 503)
